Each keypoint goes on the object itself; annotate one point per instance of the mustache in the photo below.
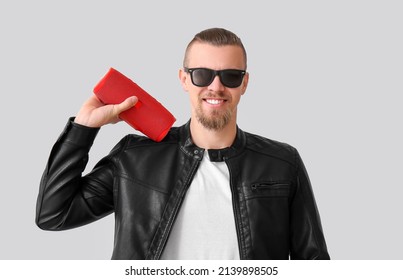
(213, 95)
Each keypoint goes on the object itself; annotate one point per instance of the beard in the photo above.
(216, 120)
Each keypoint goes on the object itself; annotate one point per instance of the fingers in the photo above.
(94, 113)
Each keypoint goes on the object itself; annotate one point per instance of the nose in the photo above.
(216, 85)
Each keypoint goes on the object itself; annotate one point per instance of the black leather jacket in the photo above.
(144, 183)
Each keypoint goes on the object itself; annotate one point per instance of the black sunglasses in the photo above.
(203, 77)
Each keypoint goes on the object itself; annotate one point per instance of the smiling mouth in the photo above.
(213, 101)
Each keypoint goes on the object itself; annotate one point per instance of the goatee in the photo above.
(217, 121)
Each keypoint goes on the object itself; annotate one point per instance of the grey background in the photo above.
(325, 77)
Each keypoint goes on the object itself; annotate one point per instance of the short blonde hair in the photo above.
(216, 37)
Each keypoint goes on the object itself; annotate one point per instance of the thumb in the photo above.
(127, 104)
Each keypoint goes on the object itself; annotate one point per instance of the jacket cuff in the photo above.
(78, 134)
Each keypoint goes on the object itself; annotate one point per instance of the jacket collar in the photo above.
(215, 155)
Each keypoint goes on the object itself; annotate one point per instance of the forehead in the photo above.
(215, 57)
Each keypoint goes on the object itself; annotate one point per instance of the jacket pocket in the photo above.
(268, 189)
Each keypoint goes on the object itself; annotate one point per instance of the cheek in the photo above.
(194, 99)
(236, 98)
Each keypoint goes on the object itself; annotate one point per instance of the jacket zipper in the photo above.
(176, 209)
(237, 212)
(271, 185)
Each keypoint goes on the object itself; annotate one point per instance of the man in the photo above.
(208, 191)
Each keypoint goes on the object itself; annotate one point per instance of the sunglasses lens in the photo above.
(202, 77)
(231, 78)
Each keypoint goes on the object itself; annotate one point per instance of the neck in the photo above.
(212, 139)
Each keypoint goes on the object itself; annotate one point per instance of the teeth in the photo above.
(214, 101)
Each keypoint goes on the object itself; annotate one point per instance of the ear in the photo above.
(183, 77)
(245, 83)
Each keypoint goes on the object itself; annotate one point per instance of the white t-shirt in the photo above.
(205, 226)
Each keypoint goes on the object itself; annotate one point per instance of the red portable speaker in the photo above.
(148, 115)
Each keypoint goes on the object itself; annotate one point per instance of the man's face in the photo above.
(214, 106)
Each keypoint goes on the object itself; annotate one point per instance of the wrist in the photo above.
(84, 122)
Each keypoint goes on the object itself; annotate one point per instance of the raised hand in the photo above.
(94, 113)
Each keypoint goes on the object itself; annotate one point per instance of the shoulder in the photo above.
(133, 141)
(270, 148)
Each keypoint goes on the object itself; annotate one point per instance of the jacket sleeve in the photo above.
(307, 238)
(67, 199)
